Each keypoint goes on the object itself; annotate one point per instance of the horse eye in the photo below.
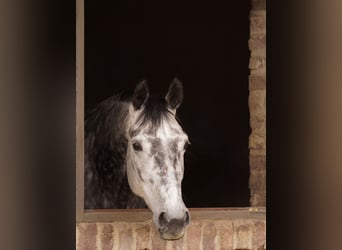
(137, 146)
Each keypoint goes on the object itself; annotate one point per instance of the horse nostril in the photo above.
(163, 219)
(187, 218)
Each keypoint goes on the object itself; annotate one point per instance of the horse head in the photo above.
(155, 157)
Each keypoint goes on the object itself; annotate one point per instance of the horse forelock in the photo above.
(154, 113)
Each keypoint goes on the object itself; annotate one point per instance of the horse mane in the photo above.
(105, 121)
(106, 184)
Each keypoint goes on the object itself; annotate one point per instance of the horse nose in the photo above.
(172, 228)
(164, 219)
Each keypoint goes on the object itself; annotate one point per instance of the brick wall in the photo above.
(257, 103)
(230, 233)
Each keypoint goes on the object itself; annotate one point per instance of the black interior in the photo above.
(206, 47)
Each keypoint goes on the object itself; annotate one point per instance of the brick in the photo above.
(257, 63)
(257, 181)
(257, 98)
(258, 200)
(257, 41)
(194, 235)
(257, 162)
(243, 231)
(126, 236)
(257, 104)
(258, 22)
(225, 231)
(87, 236)
(143, 236)
(179, 244)
(258, 126)
(157, 241)
(209, 235)
(257, 141)
(257, 152)
(259, 4)
(106, 236)
(258, 52)
(259, 235)
(257, 82)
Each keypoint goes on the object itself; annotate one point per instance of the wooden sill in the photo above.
(138, 215)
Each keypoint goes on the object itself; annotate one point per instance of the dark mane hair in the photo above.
(155, 111)
(106, 184)
(106, 119)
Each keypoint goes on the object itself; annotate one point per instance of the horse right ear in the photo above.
(174, 96)
(140, 95)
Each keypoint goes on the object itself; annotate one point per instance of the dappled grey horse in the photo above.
(134, 149)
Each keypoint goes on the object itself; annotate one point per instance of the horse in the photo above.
(134, 156)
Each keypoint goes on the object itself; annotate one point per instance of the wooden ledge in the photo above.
(138, 215)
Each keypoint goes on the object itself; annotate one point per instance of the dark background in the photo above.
(206, 47)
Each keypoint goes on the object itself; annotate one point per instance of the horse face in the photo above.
(155, 167)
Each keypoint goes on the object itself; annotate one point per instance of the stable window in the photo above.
(206, 47)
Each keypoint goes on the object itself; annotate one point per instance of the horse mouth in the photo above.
(171, 236)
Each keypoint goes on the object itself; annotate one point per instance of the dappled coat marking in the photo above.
(134, 150)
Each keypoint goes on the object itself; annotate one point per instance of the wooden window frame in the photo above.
(127, 215)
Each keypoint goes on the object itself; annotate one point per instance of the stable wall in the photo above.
(257, 103)
(238, 229)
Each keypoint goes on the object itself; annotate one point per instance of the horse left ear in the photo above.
(140, 95)
(174, 96)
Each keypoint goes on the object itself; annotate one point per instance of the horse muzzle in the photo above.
(172, 229)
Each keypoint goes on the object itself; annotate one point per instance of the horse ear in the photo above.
(174, 96)
(140, 95)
